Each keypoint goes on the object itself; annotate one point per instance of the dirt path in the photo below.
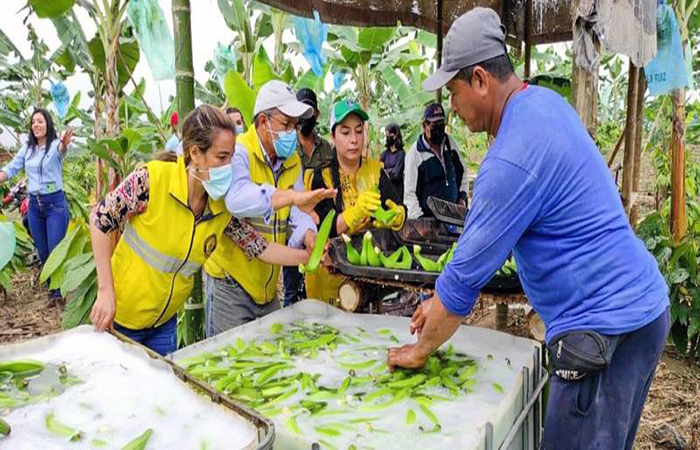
(25, 312)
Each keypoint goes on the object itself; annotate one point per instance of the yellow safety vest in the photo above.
(162, 249)
(321, 285)
(257, 278)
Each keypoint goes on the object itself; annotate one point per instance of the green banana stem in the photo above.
(426, 264)
(385, 216)
(350, 252)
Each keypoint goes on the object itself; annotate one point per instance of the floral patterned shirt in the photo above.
(130, 198)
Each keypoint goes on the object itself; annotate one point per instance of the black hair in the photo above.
(335, 175)
(236, 110)
(33, 142)
(395, 129)
(500, 67)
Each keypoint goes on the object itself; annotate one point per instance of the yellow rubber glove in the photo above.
(398, 220)
(366, 204)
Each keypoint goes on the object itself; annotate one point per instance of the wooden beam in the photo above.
(620, 140)
(631, 126)
(679, 216)
(639, 132)
(528, 39)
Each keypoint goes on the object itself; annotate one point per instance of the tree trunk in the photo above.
(184, 70)
(112, 95)
(639, 132)
(679, 218)
(98, 108)
(630, 128)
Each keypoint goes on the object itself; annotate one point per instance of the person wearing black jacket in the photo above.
(393, 157)
(434, 167)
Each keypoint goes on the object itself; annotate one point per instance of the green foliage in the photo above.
(129, 54)
(190, 318)
(21, 250)
(239, 94)
(48, 9)
(679, 265)
(71, 268)
(25, 80)
(8, 243)
(123, 153)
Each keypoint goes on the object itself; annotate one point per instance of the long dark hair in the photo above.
(395, 129)
(33, 142)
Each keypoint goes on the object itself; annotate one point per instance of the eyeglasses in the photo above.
(287, 126)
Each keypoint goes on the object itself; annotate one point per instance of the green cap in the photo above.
(341, 110)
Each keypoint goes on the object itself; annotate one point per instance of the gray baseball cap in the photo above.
(476, 36)
(277, 94)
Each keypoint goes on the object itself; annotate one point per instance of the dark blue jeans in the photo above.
(48, 217)
(161, 339)
(602, 411)
(294, 289)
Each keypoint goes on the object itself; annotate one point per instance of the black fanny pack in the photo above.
(575, 355)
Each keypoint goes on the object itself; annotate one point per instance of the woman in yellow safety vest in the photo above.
(362, 186)
(172, 216)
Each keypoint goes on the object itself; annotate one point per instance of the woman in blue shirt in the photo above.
(42, 160)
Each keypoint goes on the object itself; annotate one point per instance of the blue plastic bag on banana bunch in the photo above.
(60, 97)
(154, 37)
(339, 79)
(224, 60)
(311, 34)
(668, 70)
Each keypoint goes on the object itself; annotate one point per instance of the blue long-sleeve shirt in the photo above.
(44, 169)
(544, 191)
(248, 199)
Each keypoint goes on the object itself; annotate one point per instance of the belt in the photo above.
(38, 196)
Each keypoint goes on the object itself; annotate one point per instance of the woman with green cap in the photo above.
(363, 186)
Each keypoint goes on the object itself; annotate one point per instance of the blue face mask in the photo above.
(219, 181)
(286, 143)
(240, 130)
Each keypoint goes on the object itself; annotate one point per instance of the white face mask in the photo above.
(219, 180)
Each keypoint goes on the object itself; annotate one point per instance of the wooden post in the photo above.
(184, 70)
(630, 130)
(584, 88)
(438, 55)
(639, 132)
(501, 320)
(679, 216)
(528, 39)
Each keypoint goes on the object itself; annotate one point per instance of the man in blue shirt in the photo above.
(544, 192)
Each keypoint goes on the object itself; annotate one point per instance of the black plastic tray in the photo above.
(388, 241)
(447, 212)
(418, 231)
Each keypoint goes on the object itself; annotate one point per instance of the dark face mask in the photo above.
(437, 134)
(306, 126)
(390, 141)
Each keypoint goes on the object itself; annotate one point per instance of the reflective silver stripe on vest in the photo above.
(268, 228)
(156, 259)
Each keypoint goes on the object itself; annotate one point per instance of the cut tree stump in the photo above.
(351, 296)
(535, 325)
